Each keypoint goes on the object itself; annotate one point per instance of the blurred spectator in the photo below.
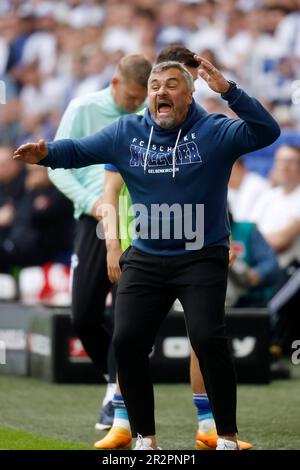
(40, 101)
(288, 31)
(85, 14)
(266, 53)
(210, 31)
(145, 19)
(171, 30)
(244, 190)
(12, 178)
(94, 73)
(40, 47)
(277, 212)
(119, 34)
(255, 272)
(23, 29)
(42, 229)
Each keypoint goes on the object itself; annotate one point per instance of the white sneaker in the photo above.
(224, 444)
(144, 443)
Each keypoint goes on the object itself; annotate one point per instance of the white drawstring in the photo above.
(174, 152)
(147, 151)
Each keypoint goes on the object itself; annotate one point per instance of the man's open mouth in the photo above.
(164, 108)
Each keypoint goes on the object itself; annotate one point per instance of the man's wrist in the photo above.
(112, 244)
(231, 85)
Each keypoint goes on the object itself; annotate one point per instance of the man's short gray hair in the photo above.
(171, 64)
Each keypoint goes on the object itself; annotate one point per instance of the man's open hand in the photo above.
(31, 153)
(212, 76)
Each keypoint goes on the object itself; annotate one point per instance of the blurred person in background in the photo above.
(145, 23)
(40, 46)
(85, 116)
(119, 33)
(245, 187)
(266, 53)
(277, 214)
(209, 34)
(288, 31)
(171, 29)
(23, 29)
(41, 100)
(255, 273)
(277, 211)
(94, 73)
(8, 33)
(12, 188)
(40, 216)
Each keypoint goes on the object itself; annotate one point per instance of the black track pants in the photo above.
(149, 285)
(89, 290)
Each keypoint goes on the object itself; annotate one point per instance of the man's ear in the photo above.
(190, 98)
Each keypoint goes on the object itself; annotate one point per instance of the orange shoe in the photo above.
(116, 438)
(208, 441)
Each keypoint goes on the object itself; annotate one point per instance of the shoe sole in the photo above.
(127, 447)
(201, 446)
(102, 427)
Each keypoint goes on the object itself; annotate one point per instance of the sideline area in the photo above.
(39, 415)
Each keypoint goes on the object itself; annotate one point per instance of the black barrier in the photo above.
(249, 338)
(249, 331)
(55, 354)
(14, 326)
(43, 338)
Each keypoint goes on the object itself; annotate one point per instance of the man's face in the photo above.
(169, 98)
(128, 95)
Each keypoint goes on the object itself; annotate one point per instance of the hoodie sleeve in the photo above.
(255, 129)
(77, 153)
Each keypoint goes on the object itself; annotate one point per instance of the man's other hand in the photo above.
(31, 153)
(213, 77)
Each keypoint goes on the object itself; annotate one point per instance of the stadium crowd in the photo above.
(52, 52)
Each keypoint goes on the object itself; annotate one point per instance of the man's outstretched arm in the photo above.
(69, 153)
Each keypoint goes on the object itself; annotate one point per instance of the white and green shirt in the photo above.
(85, 116)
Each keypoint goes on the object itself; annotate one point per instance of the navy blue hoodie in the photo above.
(187, 165)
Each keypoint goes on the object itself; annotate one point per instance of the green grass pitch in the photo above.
(39, 415)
